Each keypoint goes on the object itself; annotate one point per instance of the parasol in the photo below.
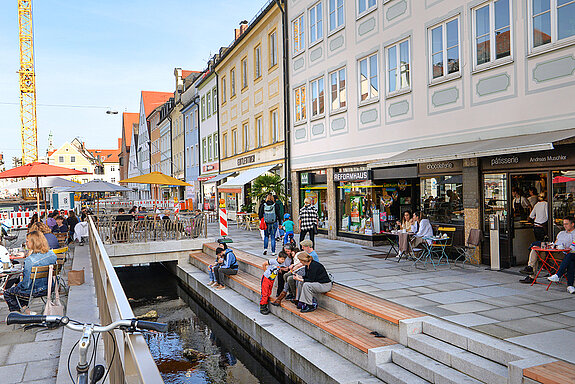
(155, 178)
(97, 186)
(562, 179)
(39, 169)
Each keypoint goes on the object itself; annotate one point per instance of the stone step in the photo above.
(499, 351)
(459, 359)
(342, 335)
(392, 373)
(284, 343)
(429, 369)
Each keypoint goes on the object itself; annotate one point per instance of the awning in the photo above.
(219, 177)
(236, 184)
(480, 148)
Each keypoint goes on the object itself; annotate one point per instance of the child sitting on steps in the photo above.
(271, 267)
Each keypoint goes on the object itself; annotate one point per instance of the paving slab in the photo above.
(469, 319)
(506, 314)
(531, 325)
(14, 373)
(468, 306)
(497, 331)
(41, 370)
(453, 297)
(558, 343)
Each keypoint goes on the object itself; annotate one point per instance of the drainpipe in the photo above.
(217, 198)
(196, 101)
(287, 111)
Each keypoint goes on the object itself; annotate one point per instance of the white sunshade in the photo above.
(480, 148)
(43, 182)
(243, 178)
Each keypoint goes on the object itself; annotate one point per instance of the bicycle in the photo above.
(88, 330)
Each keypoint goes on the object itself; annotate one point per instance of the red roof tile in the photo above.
(128, 120)
(154, 99)
(187, 73)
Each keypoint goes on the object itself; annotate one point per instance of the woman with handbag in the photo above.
(39, 255)
(308, 220)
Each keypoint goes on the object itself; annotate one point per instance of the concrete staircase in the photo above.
(416, 348)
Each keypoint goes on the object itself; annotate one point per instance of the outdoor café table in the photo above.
(393, 238)
(548, 261)
(426, 255)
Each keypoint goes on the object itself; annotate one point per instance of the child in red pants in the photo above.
(271, 267)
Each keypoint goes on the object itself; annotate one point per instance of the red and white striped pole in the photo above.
(223, 219)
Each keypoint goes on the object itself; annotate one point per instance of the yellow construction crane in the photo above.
(29, 129)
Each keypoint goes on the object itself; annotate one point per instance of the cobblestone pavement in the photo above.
(492, 302)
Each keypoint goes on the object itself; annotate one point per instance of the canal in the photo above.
(196, 349)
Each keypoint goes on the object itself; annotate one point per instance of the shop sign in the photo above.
(436, 167)
(556, 157)
(247, 160)
(209, 167)
(205, 178)
(306, 178)
(352, 176)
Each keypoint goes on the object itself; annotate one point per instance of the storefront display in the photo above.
(313, 185)
(442, 192)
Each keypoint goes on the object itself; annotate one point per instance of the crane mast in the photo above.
(27, 75)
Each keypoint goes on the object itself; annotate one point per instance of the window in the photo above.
(398, 73)
(317, 97)
(275, 126)
(300, 114)
(210, 148)
(209, 104)
(335, 14)
(273, 42)
(368, 85)
(246, 137)
(214, 101)
(315, 23)
(60, 159)
(204, 150)
(72, 159)
(337, 84)
(259, 132)
(244, 73)
(492, 32)
(234, 142)
(84, 169)
(551, 20)
(298, 29)
(258, 62)
(203, 108)
(216, 147)
(233, 82)
(197, 155)
(225, 144)
(113, 180)
(223, 89)
(365, 5)
(112, 168)
(444, 43)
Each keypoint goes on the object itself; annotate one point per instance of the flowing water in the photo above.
(217, 356)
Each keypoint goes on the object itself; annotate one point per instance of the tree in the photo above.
(265, 184)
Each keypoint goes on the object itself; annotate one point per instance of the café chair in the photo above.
(467, 251)
(35, 274)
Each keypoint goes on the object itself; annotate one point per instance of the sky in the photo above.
(97, 55)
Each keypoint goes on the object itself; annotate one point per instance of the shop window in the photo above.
(551, 20)
(495, 200)
(318, 196)
(441, 199)
(563, 198)
(492, 31)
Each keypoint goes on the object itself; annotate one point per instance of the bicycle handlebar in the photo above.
(128, 324)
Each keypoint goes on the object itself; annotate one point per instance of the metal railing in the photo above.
(140, 229)
(133, 362)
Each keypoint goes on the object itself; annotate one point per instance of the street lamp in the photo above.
(110, 112)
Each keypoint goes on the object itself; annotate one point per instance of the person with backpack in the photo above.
(270, 212)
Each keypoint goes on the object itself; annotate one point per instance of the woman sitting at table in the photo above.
(406, 221)
(39, 255)
(50, 237)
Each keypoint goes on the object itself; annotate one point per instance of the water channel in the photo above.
(219, 357)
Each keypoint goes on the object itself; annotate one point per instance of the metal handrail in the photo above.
(133, 362)
(141, 229)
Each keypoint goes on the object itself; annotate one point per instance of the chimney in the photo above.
(179, 80)
(243, 26)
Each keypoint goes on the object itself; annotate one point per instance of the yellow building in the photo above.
(250, 88)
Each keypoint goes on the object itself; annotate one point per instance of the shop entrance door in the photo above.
(496, 205)
(525, 188)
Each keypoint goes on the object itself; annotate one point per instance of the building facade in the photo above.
(251, 100)
(398, 106)
(128, 122)
(191, 139)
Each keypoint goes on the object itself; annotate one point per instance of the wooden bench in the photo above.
(376, 306)
(558, 372)
(340, 327)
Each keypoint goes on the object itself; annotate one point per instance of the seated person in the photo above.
(228, 267)
(122, 227)
(406, 221)
(568, 262)
(271, 271)
(307, 246)
(287, 225)
(563, 241)
(50, 237)
(211, 273)
(39, 255)
(286, 273)
(424, 229)
(315, 280)
(60, 226)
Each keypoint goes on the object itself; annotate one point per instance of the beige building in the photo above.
(250, 88)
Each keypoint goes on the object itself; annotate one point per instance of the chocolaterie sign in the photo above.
(561, 156)
(440, 167)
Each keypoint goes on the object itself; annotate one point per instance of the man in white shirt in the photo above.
(539, 216)
(564, 240)
(424, 229)
(568, 262)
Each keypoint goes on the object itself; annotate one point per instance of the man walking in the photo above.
(308, 220)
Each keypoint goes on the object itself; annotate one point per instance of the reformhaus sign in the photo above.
(352, 176)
